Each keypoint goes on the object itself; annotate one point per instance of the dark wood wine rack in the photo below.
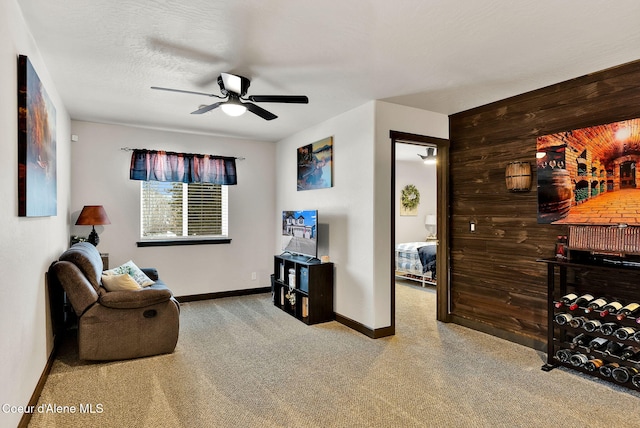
(611, 281)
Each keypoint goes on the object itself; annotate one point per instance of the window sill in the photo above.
(172, 242)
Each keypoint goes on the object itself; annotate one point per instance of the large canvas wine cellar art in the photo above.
(588, 175)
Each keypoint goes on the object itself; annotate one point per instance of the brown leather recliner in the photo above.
(115, 325)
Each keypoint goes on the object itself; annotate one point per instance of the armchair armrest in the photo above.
(152, 273)
(129, 299)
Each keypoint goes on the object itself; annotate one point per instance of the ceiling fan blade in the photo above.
(207, 108)
(266, 115)
(291, 99)
(232, 82)
(185, 92)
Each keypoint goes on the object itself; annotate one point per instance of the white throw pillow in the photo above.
(120, 282)
(133, 270)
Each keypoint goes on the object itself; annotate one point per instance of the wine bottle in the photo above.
(628, 353)
(635, 380)
(563, 318)
(564, 355)
(580, 340)
(613, 348)
(606, 369)
(577, 322)
(622, 374)
(610, 307)
(581, 301)
(578, 359)
(630, 309)
(624, 333)
(636, 337)
(597, 344)
(593, 365)
(592, 325)
(596, 304)
(560, 248)
(566, 300)
(608, 328)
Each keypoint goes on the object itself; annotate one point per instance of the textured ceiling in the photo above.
(440, 55)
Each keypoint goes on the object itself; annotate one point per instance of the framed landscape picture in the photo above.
(37, 179)
(315, 165)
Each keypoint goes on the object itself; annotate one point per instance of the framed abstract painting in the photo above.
(37, 178)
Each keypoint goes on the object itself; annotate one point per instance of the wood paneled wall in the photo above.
(496, 284)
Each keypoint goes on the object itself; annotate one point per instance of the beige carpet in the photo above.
(241, 362)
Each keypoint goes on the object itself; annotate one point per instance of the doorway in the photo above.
(441, 211)
(628, 175)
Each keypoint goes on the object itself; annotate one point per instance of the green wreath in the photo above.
(410, 197)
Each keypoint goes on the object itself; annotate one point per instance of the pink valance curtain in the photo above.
(156, 165)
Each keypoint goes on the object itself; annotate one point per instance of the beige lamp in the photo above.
(430, 223)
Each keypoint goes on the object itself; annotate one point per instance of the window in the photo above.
(174, 211)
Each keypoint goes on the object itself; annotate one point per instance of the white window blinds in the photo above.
(174, 210)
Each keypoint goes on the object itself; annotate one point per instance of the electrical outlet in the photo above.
(254, 276)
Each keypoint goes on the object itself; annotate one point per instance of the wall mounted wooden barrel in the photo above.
(518, 177)
(554, 194)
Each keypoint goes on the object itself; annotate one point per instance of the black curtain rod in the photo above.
(129, 149)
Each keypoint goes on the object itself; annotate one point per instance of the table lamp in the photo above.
(92, 215)
(430, 223)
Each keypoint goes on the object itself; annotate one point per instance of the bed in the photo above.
(416, 261)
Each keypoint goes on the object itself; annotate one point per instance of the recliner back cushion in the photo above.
(79, 290)
(87, 258)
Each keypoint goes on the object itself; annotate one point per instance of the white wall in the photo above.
(411, 228)
(100, 176)
(404, 119)
(356, 211)
(344, 210)
(27, 245)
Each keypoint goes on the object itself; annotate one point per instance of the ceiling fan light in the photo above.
(233, 109)
(430, 157)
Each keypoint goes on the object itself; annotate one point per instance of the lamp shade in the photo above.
(233, 109)
(92, 215)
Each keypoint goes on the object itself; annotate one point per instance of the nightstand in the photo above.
(105, 260)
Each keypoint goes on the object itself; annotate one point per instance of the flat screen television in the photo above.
(300, 233)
